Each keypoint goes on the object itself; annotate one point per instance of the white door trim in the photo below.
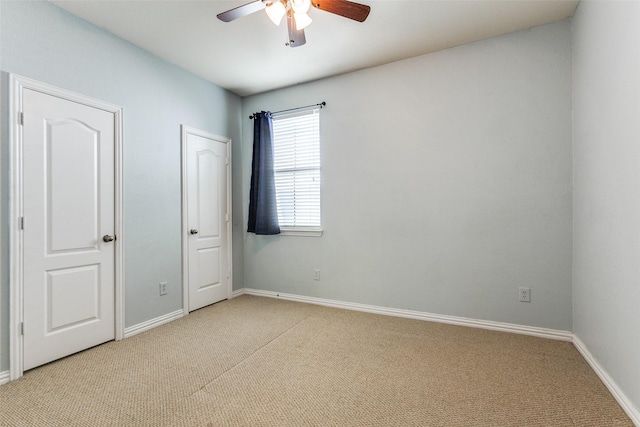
(16, 263)
(184, 131)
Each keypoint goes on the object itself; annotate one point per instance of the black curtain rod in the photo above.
(321, 105)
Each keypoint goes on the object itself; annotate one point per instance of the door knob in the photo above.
(107, 238)
(193, 231)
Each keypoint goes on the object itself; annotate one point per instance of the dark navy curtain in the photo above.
(263, 211)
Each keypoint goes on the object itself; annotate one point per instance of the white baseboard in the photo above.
(150, 324)
(419, 315)
(4, 377)
(554, 334)
(620, 397)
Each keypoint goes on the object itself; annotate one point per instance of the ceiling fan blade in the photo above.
(296, 37)
(241, 11)
(348, 9)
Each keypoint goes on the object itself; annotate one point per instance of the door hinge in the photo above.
(226, 217)
(21, 118)
(21, 328)
(226, 161)
(21, 223)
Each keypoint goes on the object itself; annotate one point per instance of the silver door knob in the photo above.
(193, 231)
(107, 238)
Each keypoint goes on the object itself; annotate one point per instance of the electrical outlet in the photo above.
(163, 288)
(316, 274)
(525, 294)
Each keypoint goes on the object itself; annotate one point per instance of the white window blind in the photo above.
(296, 148)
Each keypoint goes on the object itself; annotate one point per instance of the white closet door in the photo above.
(68, 170)
(207, 211)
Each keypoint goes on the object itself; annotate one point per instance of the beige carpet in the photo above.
(258, 361)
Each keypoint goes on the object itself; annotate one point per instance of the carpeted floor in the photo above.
(256, 361)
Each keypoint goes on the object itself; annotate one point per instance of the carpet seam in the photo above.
(217, 377)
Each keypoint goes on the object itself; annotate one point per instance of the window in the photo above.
(296, 149)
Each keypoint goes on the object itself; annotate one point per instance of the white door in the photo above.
(68, 207)
(207, 213)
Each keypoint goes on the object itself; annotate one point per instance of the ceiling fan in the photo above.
(296, 13)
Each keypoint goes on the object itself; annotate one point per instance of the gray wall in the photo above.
(606, 126)
(446, 184)
(41, 41)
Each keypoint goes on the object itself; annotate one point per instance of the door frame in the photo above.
(17, 84)
(184, 132)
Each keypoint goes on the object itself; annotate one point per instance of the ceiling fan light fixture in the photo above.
(300, 6)
(275, 12)
(302, 20)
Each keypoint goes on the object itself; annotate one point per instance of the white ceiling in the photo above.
(249, 55)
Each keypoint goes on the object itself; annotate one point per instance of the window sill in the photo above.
(301, 232)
